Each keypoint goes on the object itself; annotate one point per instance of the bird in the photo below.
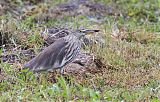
(63, 51)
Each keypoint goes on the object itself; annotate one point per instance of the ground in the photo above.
(127, 65)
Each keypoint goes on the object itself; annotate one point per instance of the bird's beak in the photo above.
(87, 32)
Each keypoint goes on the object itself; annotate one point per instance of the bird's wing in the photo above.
(48, 57)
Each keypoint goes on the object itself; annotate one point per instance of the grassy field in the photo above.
(130, 59)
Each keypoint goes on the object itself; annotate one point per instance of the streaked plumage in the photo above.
(58, 54)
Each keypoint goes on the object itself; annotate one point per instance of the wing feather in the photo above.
(47, 57)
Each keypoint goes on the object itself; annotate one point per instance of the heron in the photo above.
(63, 51)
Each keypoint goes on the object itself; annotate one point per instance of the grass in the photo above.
(130, 69)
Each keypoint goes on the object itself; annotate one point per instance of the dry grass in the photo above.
(130, 64)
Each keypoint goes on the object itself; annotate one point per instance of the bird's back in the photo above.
(56, 55)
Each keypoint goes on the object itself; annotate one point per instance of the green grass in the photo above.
(131, 64)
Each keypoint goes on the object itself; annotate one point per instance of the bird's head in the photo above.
(82, 32)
